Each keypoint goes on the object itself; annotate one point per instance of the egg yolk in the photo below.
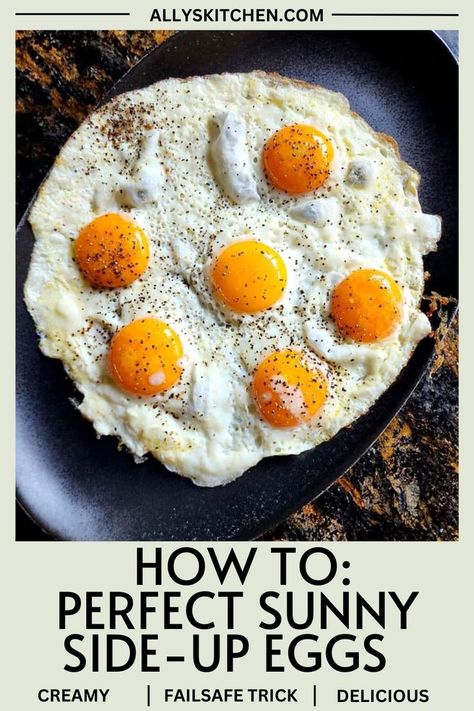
(367, 305)
(144, 357)
(249, 276)
(297, 158)
(111, 251)
(287, 390)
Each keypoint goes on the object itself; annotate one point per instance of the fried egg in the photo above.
(229, 267)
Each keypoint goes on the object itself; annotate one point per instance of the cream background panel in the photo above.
(29, 594)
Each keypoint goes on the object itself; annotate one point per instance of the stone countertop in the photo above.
(405, 487)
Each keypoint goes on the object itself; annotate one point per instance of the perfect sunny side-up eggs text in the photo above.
(229, 267)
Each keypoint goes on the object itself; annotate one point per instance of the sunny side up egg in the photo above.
(229, 267)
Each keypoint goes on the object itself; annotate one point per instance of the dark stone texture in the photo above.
(405, 487)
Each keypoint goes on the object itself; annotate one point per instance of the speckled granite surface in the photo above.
(406, 486)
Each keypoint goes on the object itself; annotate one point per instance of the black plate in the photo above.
(81, 488)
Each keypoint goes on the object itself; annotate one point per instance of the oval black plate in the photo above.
(80, 488)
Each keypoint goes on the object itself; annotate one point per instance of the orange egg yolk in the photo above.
(111, 251)
(367, 305)
(144, 357)
(288, 391)
(297, 158)
(249, 276)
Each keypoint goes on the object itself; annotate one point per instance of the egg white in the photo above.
(148, 154)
